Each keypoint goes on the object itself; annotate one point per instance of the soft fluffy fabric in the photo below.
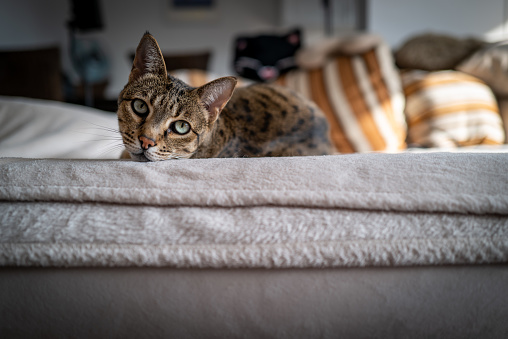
(450, 109)
(359, 90)
(333, 211)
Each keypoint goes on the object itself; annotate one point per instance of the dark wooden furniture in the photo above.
(31, 73)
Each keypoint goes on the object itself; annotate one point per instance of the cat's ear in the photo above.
(216, 94)
(148, 59)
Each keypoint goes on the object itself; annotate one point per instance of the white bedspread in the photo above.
(334, 211)
(409, 220)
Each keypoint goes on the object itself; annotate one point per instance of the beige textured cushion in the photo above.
(433, 52)
(361, 96)
(450, 109)
(490, 64)
(503, 110)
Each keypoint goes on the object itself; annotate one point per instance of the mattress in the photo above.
(141, 302)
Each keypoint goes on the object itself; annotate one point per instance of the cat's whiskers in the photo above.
(180, 156)
(132, 148)
(103, 133)
(111, 148)
(162, 154)
(104, 137)
(115, 132)
(105, 128)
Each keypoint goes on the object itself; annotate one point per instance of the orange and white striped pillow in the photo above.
(450, 109)
(362, 98)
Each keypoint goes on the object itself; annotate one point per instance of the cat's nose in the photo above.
(146, 142)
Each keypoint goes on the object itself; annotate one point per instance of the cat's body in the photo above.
(160, 117)
(267, 120)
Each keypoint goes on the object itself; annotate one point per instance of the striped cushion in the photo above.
(450, 109)
(362, 97)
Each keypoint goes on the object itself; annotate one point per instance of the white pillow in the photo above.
(31, 128)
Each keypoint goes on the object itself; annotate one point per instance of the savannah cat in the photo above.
(160, 117)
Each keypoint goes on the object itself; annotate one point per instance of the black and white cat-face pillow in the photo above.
(265, 57)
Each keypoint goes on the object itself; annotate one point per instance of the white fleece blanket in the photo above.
(333, 211)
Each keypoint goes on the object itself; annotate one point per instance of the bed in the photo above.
(403, 244)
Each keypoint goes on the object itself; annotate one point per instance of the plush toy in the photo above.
(265, 57)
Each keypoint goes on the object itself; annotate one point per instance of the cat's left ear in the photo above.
(148, 59)
(216, 94)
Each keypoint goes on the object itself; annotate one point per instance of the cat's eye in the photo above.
(140, 107)
(180, 127)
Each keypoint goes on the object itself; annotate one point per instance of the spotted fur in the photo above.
(255, 121)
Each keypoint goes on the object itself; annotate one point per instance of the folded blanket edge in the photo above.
(333, 254)
(375, 201)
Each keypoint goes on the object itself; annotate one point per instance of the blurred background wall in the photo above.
(26, 24)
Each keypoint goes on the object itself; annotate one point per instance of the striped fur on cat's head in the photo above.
(160, 117)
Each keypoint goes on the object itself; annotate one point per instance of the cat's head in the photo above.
(265, 57)
(159, 116)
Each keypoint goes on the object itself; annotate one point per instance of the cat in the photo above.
(160, 117)
(265, 57)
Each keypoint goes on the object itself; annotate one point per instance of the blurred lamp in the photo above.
(88, 58)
